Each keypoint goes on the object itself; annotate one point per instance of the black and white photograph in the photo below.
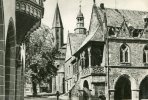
(73, 49)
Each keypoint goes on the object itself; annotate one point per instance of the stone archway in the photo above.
(10, 59)
(86, 91)
(144, 89)
(123, 89)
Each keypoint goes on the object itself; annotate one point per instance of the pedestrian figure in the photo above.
(70, 95)
(58, 94)
(102, 97)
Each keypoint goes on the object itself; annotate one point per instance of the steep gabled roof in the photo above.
(74, 41)
(57, 22)
(95, 28)
(115, 17)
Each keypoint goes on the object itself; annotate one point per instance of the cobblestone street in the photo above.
(38, 99)
(41, 98)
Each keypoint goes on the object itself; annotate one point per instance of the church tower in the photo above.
(80, 23)
(57, 28)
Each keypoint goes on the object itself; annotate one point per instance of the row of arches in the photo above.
(123, 89)
(124, 86)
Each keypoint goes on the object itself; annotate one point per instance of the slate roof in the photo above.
(76, 41)
(80, 14)
(115, 17)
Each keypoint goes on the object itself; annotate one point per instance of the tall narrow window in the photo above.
(124, 54)
(69, 69)
(145, 54)
(86, 59)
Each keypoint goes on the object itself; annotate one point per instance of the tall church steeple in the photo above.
(57, 28)
(80, 23)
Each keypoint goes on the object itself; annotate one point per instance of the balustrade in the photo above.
(31, 7)
(94, 70)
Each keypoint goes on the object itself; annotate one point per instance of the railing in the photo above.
(85, 72)
(97, 70)
(31, 7)
(39, 2)
(94, 70)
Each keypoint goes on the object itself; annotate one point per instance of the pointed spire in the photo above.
(57, 22)
(94, 1)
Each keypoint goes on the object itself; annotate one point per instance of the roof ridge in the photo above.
(70, 44)
(126, 9)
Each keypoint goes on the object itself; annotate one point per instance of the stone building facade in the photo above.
(110, 62)
(17, 19)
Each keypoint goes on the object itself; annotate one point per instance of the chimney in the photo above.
(102, 6)
(145, 21)
(145, 18)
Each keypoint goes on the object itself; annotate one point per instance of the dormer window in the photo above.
(124, 54)
(111, 31)
(136, 33)
(145, 54)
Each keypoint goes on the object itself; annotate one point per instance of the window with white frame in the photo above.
(124, 54)
(145, 54)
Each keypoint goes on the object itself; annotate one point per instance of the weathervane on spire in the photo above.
(80, 4)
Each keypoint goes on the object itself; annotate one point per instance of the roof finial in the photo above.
(80, 4)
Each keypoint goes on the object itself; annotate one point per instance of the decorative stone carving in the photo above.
(30, 7)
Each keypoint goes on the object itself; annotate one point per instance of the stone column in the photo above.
(54, 84)
(18, 72)
(81, 62)
(89, 54)
(135, 94)
(20, 69)
(111, 94)
(84, 66)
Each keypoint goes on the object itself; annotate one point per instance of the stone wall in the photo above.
(136, 52)
(136, 75)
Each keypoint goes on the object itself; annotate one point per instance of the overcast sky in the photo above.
(69, 10)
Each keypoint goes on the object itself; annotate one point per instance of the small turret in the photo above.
(80, 23)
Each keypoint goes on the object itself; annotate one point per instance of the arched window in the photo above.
(145, 54)
(124, 54)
